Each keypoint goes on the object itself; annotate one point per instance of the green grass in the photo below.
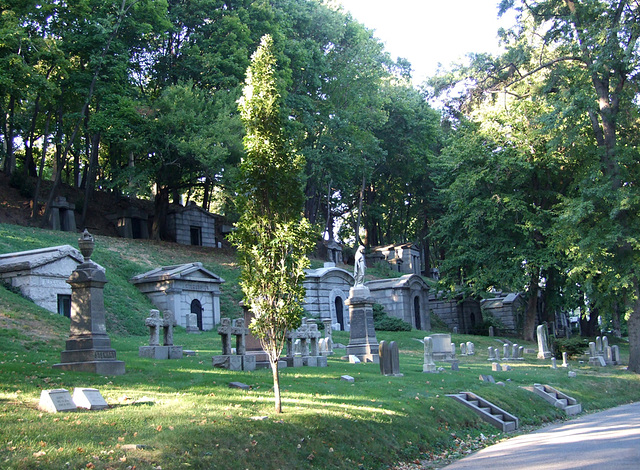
(182, 414)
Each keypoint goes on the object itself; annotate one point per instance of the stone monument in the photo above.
(167, 350)
(389, 359)
(543, 342)
(429, 365)
(362, 340)
(88, 347)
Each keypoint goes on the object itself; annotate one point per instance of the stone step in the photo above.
(487, 411)
(558, 399)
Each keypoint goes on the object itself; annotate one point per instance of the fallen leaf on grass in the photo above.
(39, 454)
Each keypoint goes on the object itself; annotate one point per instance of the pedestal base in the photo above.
(362, 335)
(97, 367)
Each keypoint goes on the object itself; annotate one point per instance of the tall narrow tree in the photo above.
(272, 237)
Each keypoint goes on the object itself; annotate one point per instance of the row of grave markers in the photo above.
(60, 399)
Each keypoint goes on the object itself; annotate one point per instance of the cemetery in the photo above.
(166, 399)
(246, 235)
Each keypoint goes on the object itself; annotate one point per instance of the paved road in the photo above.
(599, 441)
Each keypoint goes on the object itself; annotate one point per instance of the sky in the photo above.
(428, 32)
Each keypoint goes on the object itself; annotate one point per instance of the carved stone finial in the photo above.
(86, 244)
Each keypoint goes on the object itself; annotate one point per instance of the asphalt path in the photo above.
(599, 441)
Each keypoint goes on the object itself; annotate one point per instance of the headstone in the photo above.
(353, 359)
(496, 353)
(89, 398)
(347, 378)
(56, 400)
(234, 358)
(491, 332)
(565, 357)
(463, 349)
(554, 364)
(192, 323)
(506, 367)
(491, 353)
(605, 343)
(455, 330)
(543, 342)
(155, 350)
(471, 348)
(599, 349)
(521, 353)
(608, 356)
(154, 322)
(495, 367)
(592, 354)
(453, 349)
(239, 385)
(615, 354)
(505, 351)
(455, 366)
(487, 378)
(572, 373)
(514, 351)
(428, 366)
(389, 359)
(88, 348)
(443, 348)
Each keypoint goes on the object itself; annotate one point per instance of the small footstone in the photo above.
(239, 385)
(347, 378)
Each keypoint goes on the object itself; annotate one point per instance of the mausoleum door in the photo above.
(416, 312)
(196, 307)
(340, 312)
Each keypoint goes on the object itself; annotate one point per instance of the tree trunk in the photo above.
(161, 208)
(276, 386)
(91, 177)
(45, 141)
(633, 324)
(10, 157)
(589, 327)
(529, 329)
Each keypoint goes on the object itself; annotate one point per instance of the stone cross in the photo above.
(240, 332)
(168, 322)
(224, 330)
(429, 365)
(154, 322)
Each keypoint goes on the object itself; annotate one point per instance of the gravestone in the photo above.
(543, 342)
(599, 349)
(608, 356)
(442, 347)
(88, 348)
(565, 362)
(521, 353)
(347, 378)
(155, 350)
(554, 364)
(228, 360)
(463, 349)
(471, 349)
(89, 399)
(429, 365)
(362, 335)
(56, 400)
(615, 354)
(491, 353)
(505, 352)
(491, 331)
(192, 323)
(514, 351)
(487, 378)
(496, 367)
(389, 359)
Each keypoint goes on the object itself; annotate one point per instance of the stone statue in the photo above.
(359, 267)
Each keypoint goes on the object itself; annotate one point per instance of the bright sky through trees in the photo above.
(428, 32)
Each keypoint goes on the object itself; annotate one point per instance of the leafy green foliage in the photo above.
(383, 322)
(272, 237)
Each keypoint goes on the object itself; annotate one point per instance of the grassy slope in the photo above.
(184, 414)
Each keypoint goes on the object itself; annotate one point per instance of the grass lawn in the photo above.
(182, 414)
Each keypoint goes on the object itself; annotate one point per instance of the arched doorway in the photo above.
(416, 312)
(340, 312)
(196, 307)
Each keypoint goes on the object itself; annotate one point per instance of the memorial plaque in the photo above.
(56, 400)
(89, 398)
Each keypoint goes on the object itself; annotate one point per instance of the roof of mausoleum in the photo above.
(189, 271)
(402, 282)
(28, 260)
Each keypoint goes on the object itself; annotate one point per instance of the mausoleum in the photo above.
(42, 274)
(406, 298)
(192, 225)
(327, 289)
(508, 308)
(183, 289)
(462, 313)
(404, 258)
